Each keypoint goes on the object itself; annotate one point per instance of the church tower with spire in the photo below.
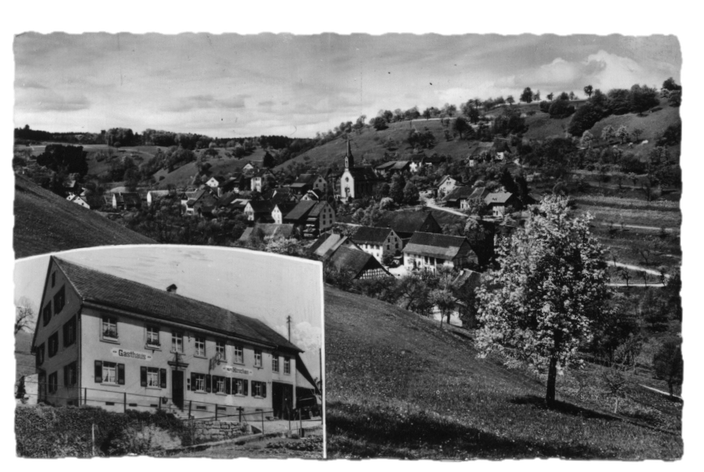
(349, 159)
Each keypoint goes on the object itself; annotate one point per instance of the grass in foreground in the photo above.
(398, 386)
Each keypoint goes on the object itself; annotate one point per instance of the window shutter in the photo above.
(228, 388)
(246, 387)
(121, 374)
(65, 334)
(98, 372)
(143, 376)
(263, 389)
(162, 375)
(207, 383)
(66, 376)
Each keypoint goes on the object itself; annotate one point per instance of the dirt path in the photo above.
(651, 228)
(430, 203)
(636, 268)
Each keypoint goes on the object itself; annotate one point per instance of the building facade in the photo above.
(106, 341)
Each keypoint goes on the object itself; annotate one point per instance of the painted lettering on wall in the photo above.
(236, 370)
(142, 356)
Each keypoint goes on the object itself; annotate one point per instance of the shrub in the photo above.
(561, 109)
(66, 431)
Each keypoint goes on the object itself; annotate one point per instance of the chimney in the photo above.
(172, 288)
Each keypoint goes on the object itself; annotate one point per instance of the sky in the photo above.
(231, 85)
(256, 284)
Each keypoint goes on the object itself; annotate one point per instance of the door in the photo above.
(177, 388)
(282, 399)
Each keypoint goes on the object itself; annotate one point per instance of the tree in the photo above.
(589, 90)
(586, 139)
(549, 293)
(410, 193)
(268, 160)
(622, 134)
(24, 314)
(461, 126)
(668, 364)
(536, 96)
(510, 100)
(550, 96)
(398, 183)
(527, 95)
(671, 85)
(608, 133)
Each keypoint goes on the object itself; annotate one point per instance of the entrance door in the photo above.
(177, 388)
(282, 399)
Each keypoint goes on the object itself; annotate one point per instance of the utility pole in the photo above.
(288, 322)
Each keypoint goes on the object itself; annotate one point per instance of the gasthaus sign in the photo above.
(142, 356)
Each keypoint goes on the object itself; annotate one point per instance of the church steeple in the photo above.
(349, 159)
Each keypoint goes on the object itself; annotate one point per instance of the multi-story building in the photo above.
(105, 341)
(429, 251)
(379, 242)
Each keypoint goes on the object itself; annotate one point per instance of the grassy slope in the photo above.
(398, 386)
(45, 222)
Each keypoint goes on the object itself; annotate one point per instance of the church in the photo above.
(356, 182)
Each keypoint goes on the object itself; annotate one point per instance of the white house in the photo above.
(379, 242)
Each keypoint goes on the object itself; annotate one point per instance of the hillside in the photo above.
(45, 222)
(398, 386)
(371, 145)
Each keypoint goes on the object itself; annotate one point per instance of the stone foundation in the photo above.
(209, 431)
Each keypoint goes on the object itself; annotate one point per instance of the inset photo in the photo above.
(169, 351)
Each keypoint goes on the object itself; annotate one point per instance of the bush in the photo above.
(561, 109)
(545, 106)
(584, 119)
(66, 431)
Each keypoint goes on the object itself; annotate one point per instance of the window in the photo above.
(220, 351)
(258, 389)
(153, 336)
(53, 344)
(240, 387)
(176, 342)
(53, 382)
(275, 363)
(287, 366)
(109, 327)
(198, 383)
(257, 358)
(40, 354)
(152, 377)
(239, 355)
(53, 279)
(70, 375)
(59, 300)
(219, 384)
(70, 332)
(46, 314)
(109, 373)
(200, 347)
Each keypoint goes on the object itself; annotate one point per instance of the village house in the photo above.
(460, 198)
(429, 251)
(154, 195)
(108, 342)
(314, 195)
(79, 200)
(259, 178)
(125, 200)
(281, 209)
(306, 182)
(500, 202)
(446, 185)
(379, 242)
(356, 264)
(327, 244)
(405, 223)
(311, 217)
(259, 210)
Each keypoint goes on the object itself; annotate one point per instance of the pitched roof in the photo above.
(317, 209)
(460, 193)
(300, 211)
(435, 245)
(371, 235)
(353, 260)
(285, 207)
(480, 193)
(497, 197)
(326, 244)
(364, 174)
(261, 206)
(467, 278)
(404, 221)
(115, 292)
(269, 231)
(305, 179)
(393, 165)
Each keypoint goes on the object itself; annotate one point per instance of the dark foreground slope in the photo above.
(398, 386)
(45, 222)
